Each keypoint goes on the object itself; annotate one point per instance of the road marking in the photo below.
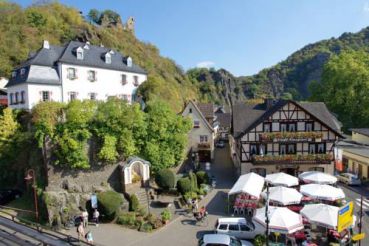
(365, 203)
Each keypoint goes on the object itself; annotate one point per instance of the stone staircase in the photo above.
(143, 197)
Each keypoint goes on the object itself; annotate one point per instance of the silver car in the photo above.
(349, 178)
(222, 240)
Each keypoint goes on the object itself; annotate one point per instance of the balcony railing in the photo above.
(203, 145)
(290, 136)
(292, 159)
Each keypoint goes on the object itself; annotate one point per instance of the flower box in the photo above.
(290, 136)
(293, 159)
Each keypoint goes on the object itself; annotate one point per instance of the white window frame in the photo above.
(124, 79)
(203, 138)
(91, 74)
(93, 96)
(45, 96)
(196, 124)
(135, 81)
(71, 73)
(73, 95)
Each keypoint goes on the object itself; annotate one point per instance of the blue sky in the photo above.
(242, 36)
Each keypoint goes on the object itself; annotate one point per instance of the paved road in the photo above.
(183, 230)
(354, 194)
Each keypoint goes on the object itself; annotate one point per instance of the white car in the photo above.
(238, 227)
(349, 178)
(222, 240)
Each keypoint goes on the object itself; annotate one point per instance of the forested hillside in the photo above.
(23, 30)
(293, 75)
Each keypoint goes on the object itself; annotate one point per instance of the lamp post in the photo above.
(31, 176)
(267, 216)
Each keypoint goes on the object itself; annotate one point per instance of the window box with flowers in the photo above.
(295, 159)
(290, 136)
(204, 145)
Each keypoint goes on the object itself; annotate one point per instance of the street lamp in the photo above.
(31, 176)
(267, 215)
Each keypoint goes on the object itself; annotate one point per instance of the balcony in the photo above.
(203, 145)
(293, 159)
(290, 136)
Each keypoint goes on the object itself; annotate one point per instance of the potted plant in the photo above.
(166, 216)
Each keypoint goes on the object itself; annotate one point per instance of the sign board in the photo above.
(345, 217)
(358, 237)
(94, 201)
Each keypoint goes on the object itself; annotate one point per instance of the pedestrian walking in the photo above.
(96, 216)
(85, 218)
(80, 231)
(89, 237)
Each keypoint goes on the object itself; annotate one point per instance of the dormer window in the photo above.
(87, 46)
(22, 71)
(111, 52)
(129, 61)
(108, 58)
(135, 80)
(14, 73)
(80, 53)
(91, 75)
(71, 73)
(124, 79)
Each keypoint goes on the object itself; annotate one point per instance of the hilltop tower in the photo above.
(130, 24)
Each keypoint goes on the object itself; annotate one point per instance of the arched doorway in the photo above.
(135, 170)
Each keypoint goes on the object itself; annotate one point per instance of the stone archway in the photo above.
(135, 170)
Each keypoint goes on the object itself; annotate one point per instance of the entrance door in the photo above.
(204, 155)
(290, 171)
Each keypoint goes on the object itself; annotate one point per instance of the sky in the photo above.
(242, 36)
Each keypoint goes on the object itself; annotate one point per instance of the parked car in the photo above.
(8, 195)
(220, 144)
(222, 240)
(349, 178)
(238, 227)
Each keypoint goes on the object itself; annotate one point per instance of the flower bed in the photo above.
(298, 159)
(270, 136)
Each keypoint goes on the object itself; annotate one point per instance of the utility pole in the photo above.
(361, 217)
(267, 216)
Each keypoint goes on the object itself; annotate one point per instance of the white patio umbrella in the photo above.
(281, 178)
(321, 214)
(317, 177)
(283, 195)
(322, 192)
(281, 219)
(251, 184)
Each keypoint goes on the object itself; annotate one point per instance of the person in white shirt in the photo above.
(96, 216)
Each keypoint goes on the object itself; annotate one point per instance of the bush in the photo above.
(259, 240)
(127, 219)
(190, 195)
(146, 227)
(154, 221)
(133, 203)
(165, 179)
(201, 192)
(109, 204)
(184, 185)
(141, 211)
(193, 179)
(166, 215)
(202, 177)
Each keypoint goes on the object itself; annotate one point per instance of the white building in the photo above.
(74, 71)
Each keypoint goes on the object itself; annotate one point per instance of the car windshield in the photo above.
(235, 242)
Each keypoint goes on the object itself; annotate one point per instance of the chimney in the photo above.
(46, 45)
(269, 103)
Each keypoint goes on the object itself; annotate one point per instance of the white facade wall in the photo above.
(108, 83)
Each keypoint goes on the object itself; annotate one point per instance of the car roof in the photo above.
(217, 239)
(238, 220)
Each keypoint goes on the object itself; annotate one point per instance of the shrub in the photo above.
(202, 177)
(146, 227)
(109, 203)
(166, 215)
(154, 221)
(133, 203)
(193, 179)
(128, 219)
(201, 192)
(188, 196)
(184, 185)
(259, 240)
(165, 179)
(141, 211)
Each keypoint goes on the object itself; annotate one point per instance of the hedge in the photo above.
(193, 179)
(184, 185)
(109, 204)
(165, 179)
(133, 203)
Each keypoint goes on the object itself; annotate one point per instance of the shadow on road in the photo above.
(199, 234)
(218, 205)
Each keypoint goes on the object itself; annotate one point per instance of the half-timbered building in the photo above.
(283, 135)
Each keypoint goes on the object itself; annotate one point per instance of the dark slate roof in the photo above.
(207, 109)
(94, 57)
(224, 119)
(49, 57)
(363, 131)
(248, 116)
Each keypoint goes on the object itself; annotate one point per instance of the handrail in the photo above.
(42, 229)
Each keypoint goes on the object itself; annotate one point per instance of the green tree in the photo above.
(344, 88)
(108, 151)
(94, 15)
(8, 125)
